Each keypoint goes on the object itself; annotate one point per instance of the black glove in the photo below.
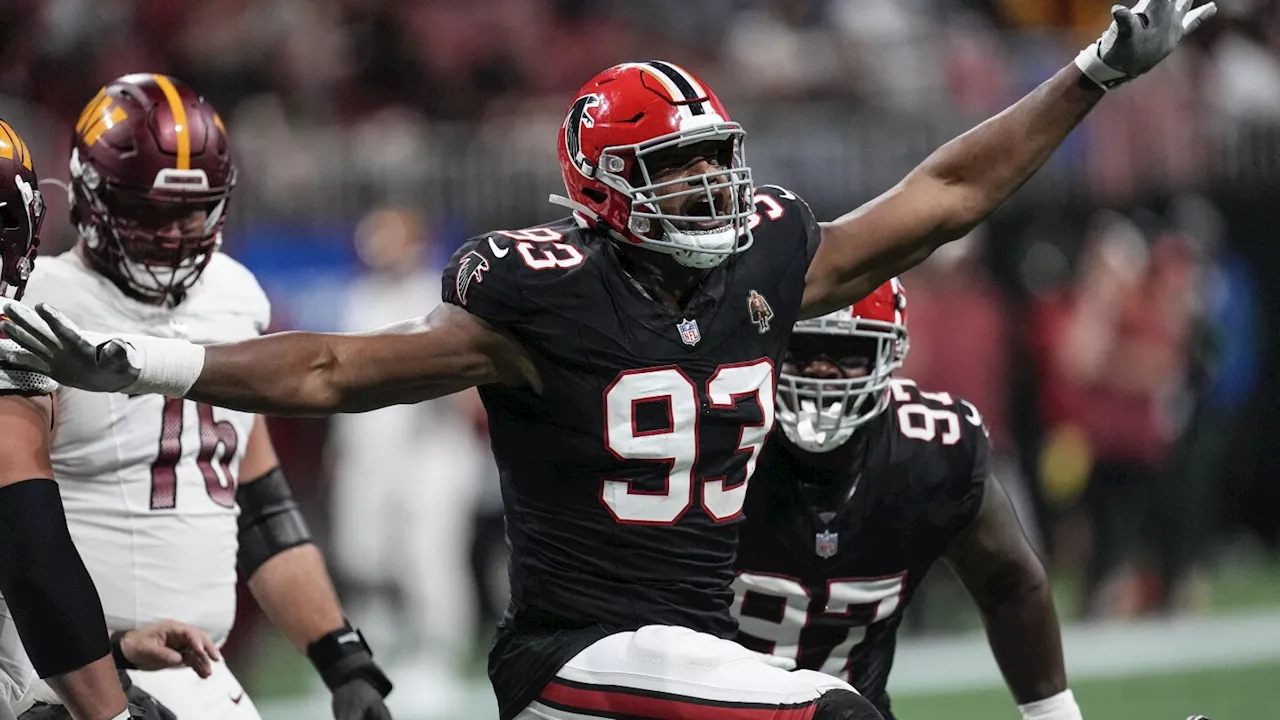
(346, 665)
(141, 705)
(358, 699)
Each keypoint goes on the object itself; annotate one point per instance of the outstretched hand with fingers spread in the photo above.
(45, 341)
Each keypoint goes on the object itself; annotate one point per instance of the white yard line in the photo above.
(1104, 650)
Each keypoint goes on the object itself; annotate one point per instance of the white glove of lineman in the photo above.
(52, 345)
(1140, 38)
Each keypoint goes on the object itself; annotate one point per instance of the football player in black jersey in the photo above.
(870, 482)
(626, 356)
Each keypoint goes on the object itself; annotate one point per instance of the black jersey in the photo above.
(623, 481)
(824, 582)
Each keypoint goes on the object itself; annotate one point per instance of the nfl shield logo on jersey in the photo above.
(689, 332)
(826, 543)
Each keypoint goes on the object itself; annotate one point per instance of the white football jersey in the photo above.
(148, 482)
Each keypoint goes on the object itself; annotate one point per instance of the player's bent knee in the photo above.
(845, 705)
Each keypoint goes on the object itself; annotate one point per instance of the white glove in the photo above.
(1140, 38)
(52, 345)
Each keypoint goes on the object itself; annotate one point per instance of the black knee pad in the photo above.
(845, 705)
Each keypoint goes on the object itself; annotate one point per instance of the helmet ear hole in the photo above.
(595, 195)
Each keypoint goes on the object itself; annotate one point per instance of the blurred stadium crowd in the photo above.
(1116, 323)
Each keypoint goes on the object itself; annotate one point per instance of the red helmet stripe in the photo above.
(179, 120)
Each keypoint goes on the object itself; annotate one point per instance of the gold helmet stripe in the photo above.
(179, 120)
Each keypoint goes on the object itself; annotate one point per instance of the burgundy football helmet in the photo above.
(620, 119)
(820, 414)
(21, 212)
(151, 175)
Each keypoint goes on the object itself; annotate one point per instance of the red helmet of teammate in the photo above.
(866, 342)
(151, 174)
(620, 119)
(21, 212)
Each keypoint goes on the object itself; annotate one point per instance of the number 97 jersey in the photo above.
(828, 560)
(149, 482)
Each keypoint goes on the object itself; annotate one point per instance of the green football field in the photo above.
(1241, 693)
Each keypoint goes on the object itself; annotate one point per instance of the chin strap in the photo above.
(585, 216)
(573, 205)
(66, 188)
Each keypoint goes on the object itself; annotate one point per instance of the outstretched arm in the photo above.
(292, 373)
(996, 563)
(964, 181)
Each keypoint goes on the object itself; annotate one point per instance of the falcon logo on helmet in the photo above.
(151, 176)
(618, 123)
(579, 118)
(21, 213)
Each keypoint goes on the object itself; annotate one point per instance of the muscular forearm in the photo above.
(984, 166)
(1023, 632)
(946, 196)
(300, 373)
(287, 373)
(92, 692)
(294, 590)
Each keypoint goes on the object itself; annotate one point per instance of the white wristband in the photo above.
(165, 366)
(1057, 707)
(1090, 63)
(124, 715)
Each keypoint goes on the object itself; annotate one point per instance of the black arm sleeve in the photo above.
(270, 521)
(54, 603)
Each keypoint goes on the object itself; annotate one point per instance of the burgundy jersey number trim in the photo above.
(217, 437)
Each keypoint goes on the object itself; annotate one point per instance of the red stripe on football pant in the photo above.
(665, 708)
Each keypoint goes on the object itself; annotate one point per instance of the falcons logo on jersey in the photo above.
(471, 268)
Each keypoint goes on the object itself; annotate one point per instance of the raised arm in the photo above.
(964, 181)
(292, 373)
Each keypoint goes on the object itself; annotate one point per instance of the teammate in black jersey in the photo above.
(869, 483)
(627, 356)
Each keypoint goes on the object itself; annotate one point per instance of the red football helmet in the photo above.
(151, 175)
(625, 115)
(820, 414)
(21, 212)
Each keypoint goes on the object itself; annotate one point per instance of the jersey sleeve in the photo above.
(239, 290)
(969, 467)
(775, 203)
(946, 441)
(482, 279)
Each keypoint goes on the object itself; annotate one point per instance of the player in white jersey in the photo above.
(166, 497)
(54, 607)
